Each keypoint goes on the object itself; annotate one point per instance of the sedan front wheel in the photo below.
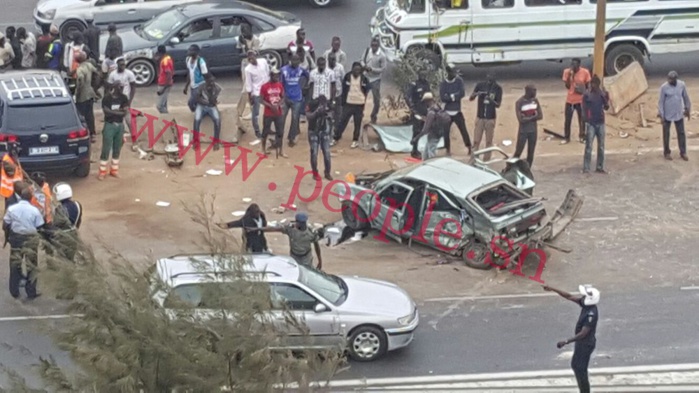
(367, 343)
(144, 71)
(274, 59)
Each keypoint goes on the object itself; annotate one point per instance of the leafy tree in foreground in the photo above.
(126, 342)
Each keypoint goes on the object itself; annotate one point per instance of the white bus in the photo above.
(492, 32)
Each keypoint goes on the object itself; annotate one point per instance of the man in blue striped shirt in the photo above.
(22, 221)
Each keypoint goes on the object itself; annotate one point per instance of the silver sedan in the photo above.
(368, 317)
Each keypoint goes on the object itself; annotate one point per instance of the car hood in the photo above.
(132, 43)
(376, 297)
(45, 5)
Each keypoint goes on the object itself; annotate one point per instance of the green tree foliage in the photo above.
(126, 342)
(406, 71)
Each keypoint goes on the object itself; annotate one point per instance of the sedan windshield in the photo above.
(162, 24)
(329, 287)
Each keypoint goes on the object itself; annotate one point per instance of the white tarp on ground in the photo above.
(396, 139)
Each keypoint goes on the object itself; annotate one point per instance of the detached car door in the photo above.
(317, 329)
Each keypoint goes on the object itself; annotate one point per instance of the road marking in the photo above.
(530, 375)
(622, 151)
(595, 219)
(39, 317)
(475, 298)
(694, 288)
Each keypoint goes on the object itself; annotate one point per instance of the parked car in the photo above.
(71, 15)
(470, 208)
(368, 317)
(315, 3)
(215, 27)
(38, 113)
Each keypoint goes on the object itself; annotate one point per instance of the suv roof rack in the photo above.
(34, 86)
(204, 273)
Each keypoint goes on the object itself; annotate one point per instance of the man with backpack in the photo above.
(196, 65)
(87, 81)
(436, 122)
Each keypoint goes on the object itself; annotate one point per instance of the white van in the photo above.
(495, 32)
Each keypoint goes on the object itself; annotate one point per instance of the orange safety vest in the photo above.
(43, 202)
(7, 183)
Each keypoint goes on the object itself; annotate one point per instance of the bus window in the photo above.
(540, 3)
(453, 4)
(497, 4)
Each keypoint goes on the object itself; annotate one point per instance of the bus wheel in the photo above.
(621, 56)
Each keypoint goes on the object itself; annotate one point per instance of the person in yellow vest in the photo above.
(10, 172)
(42, 197)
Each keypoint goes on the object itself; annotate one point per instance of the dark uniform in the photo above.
(584, 347)
(254, 241)
(418, 107)
(21, 223)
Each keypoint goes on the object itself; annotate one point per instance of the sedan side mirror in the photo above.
(320, 307)
(174, 41)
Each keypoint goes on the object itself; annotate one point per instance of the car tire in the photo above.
(621, 56)
(70, 26)
(475, 254)
(274, 59)
(144, 71)
(367, 343)
(354, 216)
(83, 170)
(321, 3)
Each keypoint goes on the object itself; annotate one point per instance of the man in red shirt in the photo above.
(301, 42)
(272, 94)
(165, 78)
(577, 81)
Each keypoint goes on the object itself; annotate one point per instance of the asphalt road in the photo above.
(486, 335)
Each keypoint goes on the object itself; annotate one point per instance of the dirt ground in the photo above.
(636, 215)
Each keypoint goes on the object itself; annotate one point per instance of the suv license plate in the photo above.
(35, 151)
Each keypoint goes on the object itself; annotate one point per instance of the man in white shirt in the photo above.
(124, 78)
(339, 73)
(322, 81)
(256, 74)
(340, 55)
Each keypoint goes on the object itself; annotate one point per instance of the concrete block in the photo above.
(626, 87)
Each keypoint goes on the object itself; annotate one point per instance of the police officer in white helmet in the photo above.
(67, 220)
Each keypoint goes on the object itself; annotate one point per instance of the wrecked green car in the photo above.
(460, 209)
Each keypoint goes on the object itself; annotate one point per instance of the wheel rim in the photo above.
(142, 72)
(477, 253)
(272, 60)
(366, 345)
(321, 2)
(622, 61)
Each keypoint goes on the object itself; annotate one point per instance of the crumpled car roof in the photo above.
(449, 175)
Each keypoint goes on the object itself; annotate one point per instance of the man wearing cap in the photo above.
(673, 106)
(256, 74)
(436, 122)
(114, 41)
(55, 50)
(585, 330)
(301, 240)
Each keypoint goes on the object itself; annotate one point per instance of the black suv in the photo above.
(38, 113)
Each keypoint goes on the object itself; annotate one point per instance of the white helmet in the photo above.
(63, 191)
